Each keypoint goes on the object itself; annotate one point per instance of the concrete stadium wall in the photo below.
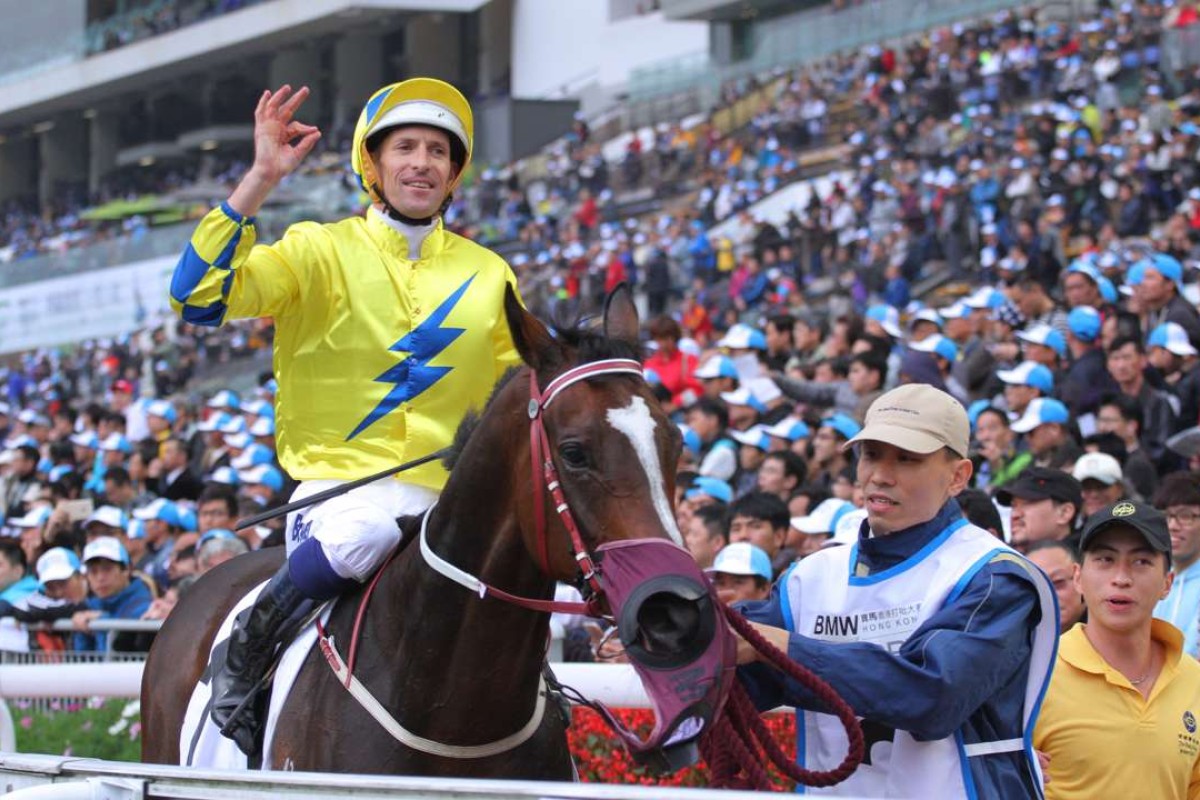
(559, 46)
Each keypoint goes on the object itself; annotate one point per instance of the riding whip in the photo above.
(320, 497)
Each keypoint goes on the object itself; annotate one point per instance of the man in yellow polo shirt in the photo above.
(1119, 718)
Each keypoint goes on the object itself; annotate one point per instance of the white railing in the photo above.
(153, 625)
(47, 777)
(615, 685)
(44, 777)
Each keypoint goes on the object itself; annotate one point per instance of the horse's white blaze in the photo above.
(638, 425)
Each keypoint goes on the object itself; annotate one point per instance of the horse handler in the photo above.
(939, 635)
(388, 330)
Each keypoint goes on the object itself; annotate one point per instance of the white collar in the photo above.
(415, 235)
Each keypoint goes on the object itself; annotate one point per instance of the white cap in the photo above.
(1098, 467)
(742, 558)
(224, 399)
(87, 439)
(111, 516)
(754, 436)
(847, 528)
(717, 366)
(224, 475)
(927, 315)
(887, 317)
(108, 547)
(824, 518)
(743, 337)
(238, 441)
(690, 346)
(1172, 337)
(959, 310)
(35, 518)
(263, 426)
(743, 397)
(116, 443)
(57, 564)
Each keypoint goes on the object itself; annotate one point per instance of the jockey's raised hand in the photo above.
(280, 143)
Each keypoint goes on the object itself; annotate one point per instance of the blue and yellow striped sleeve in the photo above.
(223, 275)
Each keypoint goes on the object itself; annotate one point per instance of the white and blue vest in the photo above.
(824, 600)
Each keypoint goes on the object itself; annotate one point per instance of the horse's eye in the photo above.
(573, 455)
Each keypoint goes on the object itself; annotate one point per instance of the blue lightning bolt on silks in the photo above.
(414, 375)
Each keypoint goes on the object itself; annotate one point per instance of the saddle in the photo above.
(258, 700)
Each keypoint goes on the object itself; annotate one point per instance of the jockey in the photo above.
(388, 330)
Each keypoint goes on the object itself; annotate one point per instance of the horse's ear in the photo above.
(620, 315)
(537, 347)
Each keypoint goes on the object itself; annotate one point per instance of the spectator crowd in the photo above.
(1044, 176)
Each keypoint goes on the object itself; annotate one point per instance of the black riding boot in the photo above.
(257, 631)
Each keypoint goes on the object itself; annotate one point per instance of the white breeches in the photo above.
(357, 530)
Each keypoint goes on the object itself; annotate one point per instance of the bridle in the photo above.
(728, 737)
(539, 452)
(545, 474)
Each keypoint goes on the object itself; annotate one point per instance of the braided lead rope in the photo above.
(736, 746)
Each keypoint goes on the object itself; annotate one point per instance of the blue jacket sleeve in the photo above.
(942, 674)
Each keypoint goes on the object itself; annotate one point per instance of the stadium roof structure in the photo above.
(258, 30)
(729, 10)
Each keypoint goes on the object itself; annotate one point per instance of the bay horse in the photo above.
(447, 664)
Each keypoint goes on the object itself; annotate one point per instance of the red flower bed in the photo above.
(600, 757)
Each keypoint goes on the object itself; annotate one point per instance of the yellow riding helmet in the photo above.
(417, 101)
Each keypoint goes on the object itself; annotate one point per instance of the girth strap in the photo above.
(411, 740)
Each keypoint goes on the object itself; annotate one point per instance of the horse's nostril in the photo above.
(668, 624)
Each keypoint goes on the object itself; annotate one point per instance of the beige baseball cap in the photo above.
(918, 418)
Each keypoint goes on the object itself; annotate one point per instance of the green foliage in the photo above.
(108, 729)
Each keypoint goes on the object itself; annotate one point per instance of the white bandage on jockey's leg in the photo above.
(355, 535)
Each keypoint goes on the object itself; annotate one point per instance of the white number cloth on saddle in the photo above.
(211, 749)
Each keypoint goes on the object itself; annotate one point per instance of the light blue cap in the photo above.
(743, 337)
(161, 408)
(715, 488)
(691, 440)
(1029, 373)
(159, 508)
(262, 475)
(1085, 323)
(213, 534)
(888, 319)
(742, 558)
(717, 366)
(844, 424)
(1045, 336)
(790, 429)
(754, 437)
(225, 399)
(224, 475)
(1042, 411)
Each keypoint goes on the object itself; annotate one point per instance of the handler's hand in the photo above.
(746, 654)
(1044, 762)
(281, 142)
